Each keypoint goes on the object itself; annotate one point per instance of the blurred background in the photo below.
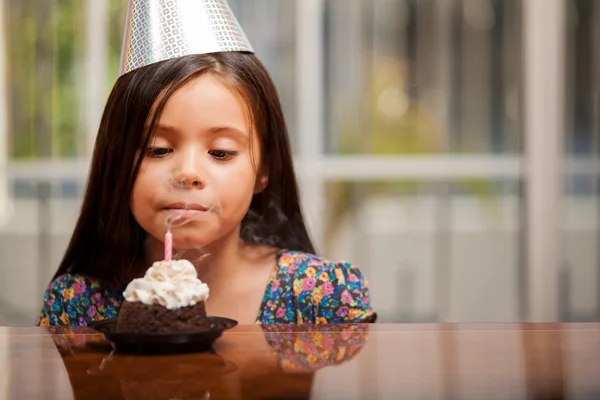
(449, 148)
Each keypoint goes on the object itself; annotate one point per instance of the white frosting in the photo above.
(172, 284)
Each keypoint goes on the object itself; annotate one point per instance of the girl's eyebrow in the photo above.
(230, 131)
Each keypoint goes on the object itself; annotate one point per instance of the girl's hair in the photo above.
(107, 240)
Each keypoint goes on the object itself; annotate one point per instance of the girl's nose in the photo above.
(188, 170)
(189, 180)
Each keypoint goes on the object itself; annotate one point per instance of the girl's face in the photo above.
(199, 171)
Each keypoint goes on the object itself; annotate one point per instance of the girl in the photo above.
(201, 136)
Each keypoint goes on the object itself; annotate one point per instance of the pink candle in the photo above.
(168, 245)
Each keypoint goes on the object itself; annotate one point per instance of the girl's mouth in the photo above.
(185, 207)
(182, 213)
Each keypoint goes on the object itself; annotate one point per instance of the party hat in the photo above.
(158, 30)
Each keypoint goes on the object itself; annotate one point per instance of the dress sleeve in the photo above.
(343, 296)
(334, 293)
(74, 300)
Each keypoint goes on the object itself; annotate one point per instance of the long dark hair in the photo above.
(107, 240)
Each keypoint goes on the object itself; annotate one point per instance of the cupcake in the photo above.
(168, 299)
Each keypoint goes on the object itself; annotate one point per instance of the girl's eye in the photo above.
(158, 152)
(222, 155)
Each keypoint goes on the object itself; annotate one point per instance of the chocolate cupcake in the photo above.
(168, 299)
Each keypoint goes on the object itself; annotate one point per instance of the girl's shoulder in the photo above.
(302, 264)
(325, 291)
(78, 299)
(67, 280)
(78, 284)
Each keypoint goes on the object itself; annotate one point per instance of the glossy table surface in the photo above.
(378, 361)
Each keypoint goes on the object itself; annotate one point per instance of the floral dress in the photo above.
(302, 289)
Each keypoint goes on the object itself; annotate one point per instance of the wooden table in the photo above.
(431, 361)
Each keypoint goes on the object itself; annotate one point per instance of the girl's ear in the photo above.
(262, 179)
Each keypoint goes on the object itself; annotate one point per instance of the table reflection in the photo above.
(430, 361)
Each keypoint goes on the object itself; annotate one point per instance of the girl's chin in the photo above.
(181, 242)
(189, 245)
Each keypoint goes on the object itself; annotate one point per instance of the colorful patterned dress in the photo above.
(303, 288)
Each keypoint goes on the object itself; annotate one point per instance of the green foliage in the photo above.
(116, 19)
(46, 73)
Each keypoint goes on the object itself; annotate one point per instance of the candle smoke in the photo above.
(267, 227)
(190, 196)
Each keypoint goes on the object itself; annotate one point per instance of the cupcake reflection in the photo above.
(95, 373)
(191, 376)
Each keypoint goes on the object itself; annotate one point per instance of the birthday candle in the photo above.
(168, 245)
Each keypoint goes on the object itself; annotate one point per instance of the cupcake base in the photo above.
(135, 317)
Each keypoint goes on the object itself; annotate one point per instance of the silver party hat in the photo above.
(158, 30)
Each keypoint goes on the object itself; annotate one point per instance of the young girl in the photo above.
(200, 136)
